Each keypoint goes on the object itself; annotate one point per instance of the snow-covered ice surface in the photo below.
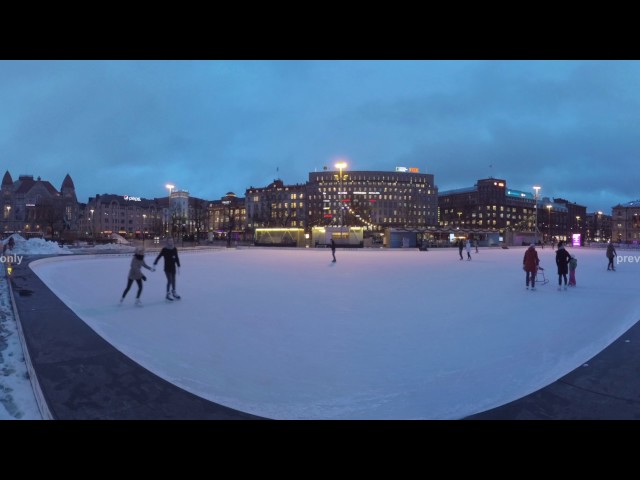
(381, 334)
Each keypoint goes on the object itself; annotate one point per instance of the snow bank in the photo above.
(35, 246)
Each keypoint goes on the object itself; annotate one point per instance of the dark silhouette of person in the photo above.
(333, 249)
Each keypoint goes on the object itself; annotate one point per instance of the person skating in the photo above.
(611, 253)
(573, 264)
(460, 247)
(135, 273)
(171, 260)
(468, 248)
(333, 249)
(562, 261)
(530, 264)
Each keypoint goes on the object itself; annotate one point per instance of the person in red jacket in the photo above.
(530, 265)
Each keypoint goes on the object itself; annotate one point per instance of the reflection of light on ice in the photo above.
(386, 334)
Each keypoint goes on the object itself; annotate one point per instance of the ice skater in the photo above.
(573, 264)
(333, 249)
(611, 252)
(530, 264)
(468, 248)
(460, 247)
(562, 261)
(135, 273)
(170, 255)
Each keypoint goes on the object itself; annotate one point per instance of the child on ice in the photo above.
(573, 264)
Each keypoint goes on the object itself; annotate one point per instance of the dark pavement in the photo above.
(81, 376)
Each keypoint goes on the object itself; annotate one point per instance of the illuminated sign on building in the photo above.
(410, 169)
(132, 199)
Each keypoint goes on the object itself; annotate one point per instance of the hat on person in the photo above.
(139, 251)
(532, 244)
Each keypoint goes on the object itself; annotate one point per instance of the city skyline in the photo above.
(210, 127)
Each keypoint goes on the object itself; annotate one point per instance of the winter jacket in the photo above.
(611, 252)
(573, 263)
(531, 260)
(170, 259)
(562, 260)
(137, 262)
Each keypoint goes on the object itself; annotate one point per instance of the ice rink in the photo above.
(380, 334)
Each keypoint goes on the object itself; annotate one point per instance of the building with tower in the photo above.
(34, 207)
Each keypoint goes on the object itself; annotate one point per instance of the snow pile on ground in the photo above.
(35, 246)
(119, 239)
(17, 400)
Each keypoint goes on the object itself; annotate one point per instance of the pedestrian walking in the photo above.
(611, 253)
(333, 249)
(135, 273)
(573, 264)
(530, 264)
(170, 254)
(562, 261)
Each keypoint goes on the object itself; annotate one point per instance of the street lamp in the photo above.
(170, 187)
(340, 166)
(549, 207)
(93, 232)
(537, 189)
(144, 217)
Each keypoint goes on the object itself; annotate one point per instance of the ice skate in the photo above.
(168, 297)
(138, 302)
(175, 295)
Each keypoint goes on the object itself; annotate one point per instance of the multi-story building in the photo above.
(598, 227)
(374, 200)
(35, 207)
(276, 206)
(125, 215)
(626, 223)
(488, 205)
(491, 205)
(227, 218)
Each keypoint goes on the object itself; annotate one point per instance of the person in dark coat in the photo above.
(170, 255)
(530, 266)
(562, 261)
(611, 252)
(460, 247)
(135, 273)
(333, 249)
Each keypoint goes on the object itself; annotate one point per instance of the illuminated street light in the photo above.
(537, 189)
(340, 166)
(549, 207)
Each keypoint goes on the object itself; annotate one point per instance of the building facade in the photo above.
(491, 205)
(488, 205)
(625, 220)
(374, 200)
(33, 207)
(276, 206)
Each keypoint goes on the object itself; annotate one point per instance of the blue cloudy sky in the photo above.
(209, 127)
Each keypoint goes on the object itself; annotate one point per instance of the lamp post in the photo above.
(144, 217)
(549, 207)
(93, 233)
(340, 166)
(170, 187)
(535, 229)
